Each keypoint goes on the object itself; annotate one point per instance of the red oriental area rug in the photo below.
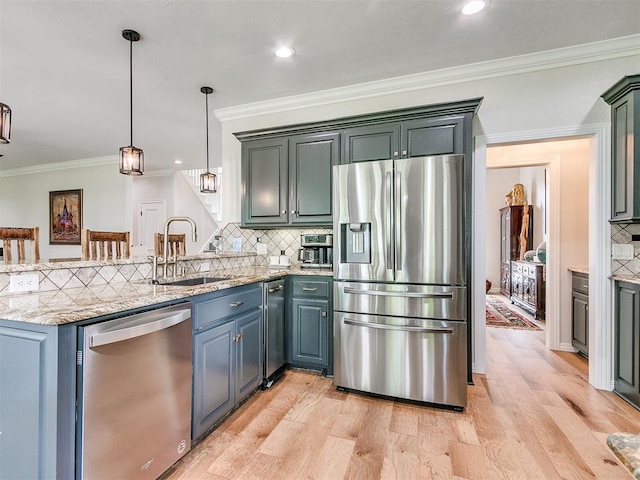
(500, 315)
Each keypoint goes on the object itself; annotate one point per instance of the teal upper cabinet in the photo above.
(286, 181)
(287, 171)
(410, 138)
(311, 158)
(624, 98)
(265, 190)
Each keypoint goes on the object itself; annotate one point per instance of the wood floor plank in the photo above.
(469, 461)
(434, 458)
(333, 459)
(281, 439)
(403, 419)
(401, 459)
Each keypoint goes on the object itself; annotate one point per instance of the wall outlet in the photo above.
(24, 302)
(205, 266)
(236, 245)
(26, 282)
(261, 248)
(620, 251)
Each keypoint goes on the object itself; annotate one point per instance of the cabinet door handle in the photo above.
(275, 289)
(404, 154)
(236, 304)
(323, 314)
(293, 212)
(395, 154)
(283, 212)
(309, 289)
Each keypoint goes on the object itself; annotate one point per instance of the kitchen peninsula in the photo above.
(40, 383)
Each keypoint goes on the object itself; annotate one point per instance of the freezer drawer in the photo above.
(422, 301)
(409, 358)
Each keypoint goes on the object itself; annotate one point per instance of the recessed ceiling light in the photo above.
(177, 162)
(474, 6)
(285, 52)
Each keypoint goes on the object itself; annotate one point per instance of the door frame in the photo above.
(600, 285)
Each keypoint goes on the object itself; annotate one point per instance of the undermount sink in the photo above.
(190, 282)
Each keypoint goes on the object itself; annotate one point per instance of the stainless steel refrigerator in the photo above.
(400, 302)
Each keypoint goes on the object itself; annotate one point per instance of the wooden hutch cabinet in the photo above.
(510, 228)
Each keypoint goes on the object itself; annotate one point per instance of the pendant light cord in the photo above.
(131, 89)
(206, 102)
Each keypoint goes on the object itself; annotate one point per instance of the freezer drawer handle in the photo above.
(406, 328)
(138, 330)
(275, 289)
(309, 289)
(399, 294)
(236, 304)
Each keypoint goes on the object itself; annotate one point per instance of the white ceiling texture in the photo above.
(64, 66)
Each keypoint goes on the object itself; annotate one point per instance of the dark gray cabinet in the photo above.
(404, 139)
(627, 338)
(265, 192)
(311, 158)
(227, 353)
(580, 312)
(308, 327)
(286, 181)
(624, 98)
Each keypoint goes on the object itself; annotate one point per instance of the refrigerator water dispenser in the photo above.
(356, 242)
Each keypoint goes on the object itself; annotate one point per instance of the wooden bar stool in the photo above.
(105, 245)
(19, 235)
(177, 244)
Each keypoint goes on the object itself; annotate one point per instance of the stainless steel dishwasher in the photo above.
(136, 394)
(274, 346)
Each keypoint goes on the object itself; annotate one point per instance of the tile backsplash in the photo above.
(621, 234)
(276, 240)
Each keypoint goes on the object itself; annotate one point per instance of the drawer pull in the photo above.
(309, 289)
(236, 304)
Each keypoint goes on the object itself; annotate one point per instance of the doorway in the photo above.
(558, 333)
(150, 221)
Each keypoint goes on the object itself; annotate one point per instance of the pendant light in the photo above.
(5, 123)
(131, 158)
(208, 179)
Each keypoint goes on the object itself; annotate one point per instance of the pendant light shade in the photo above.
(208, 179)
(131, 158)
(5, 123)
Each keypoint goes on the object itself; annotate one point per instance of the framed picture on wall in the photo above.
(65, 217)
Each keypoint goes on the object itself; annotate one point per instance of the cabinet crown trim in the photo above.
(434, 110)
(621, 88)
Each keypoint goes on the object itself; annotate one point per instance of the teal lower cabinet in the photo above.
(309, 326)
(37, 398)
(227, 353)
(627, 342)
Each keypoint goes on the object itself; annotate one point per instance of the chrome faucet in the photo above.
(165, 251)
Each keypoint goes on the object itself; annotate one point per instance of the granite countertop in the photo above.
(579, 269)
(626, 447)
(626, 277)
(60, 307)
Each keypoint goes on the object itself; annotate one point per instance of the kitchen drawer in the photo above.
(238, 300)
(580, 283)
(311, 288)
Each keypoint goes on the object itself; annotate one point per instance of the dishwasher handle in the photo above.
(401, 328)
(127, 333)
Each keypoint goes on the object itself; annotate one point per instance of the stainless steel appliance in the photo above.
(136, 394)
(400, 306)
(316, 251)
(274, 346)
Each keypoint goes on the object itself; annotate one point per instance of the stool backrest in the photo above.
(177, 244)
(105, 245)
(18, 236)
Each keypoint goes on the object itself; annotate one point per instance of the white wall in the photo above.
(106, 201)
(534, 185)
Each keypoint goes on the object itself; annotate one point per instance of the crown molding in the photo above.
(51, 167)
(557, 58)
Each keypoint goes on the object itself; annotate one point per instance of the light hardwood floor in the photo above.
(532, 416)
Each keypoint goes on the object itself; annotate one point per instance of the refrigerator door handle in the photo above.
(397, 223)
(401, 328)
(388, 231)
(398, 294)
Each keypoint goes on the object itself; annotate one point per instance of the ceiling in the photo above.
(64, 66)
